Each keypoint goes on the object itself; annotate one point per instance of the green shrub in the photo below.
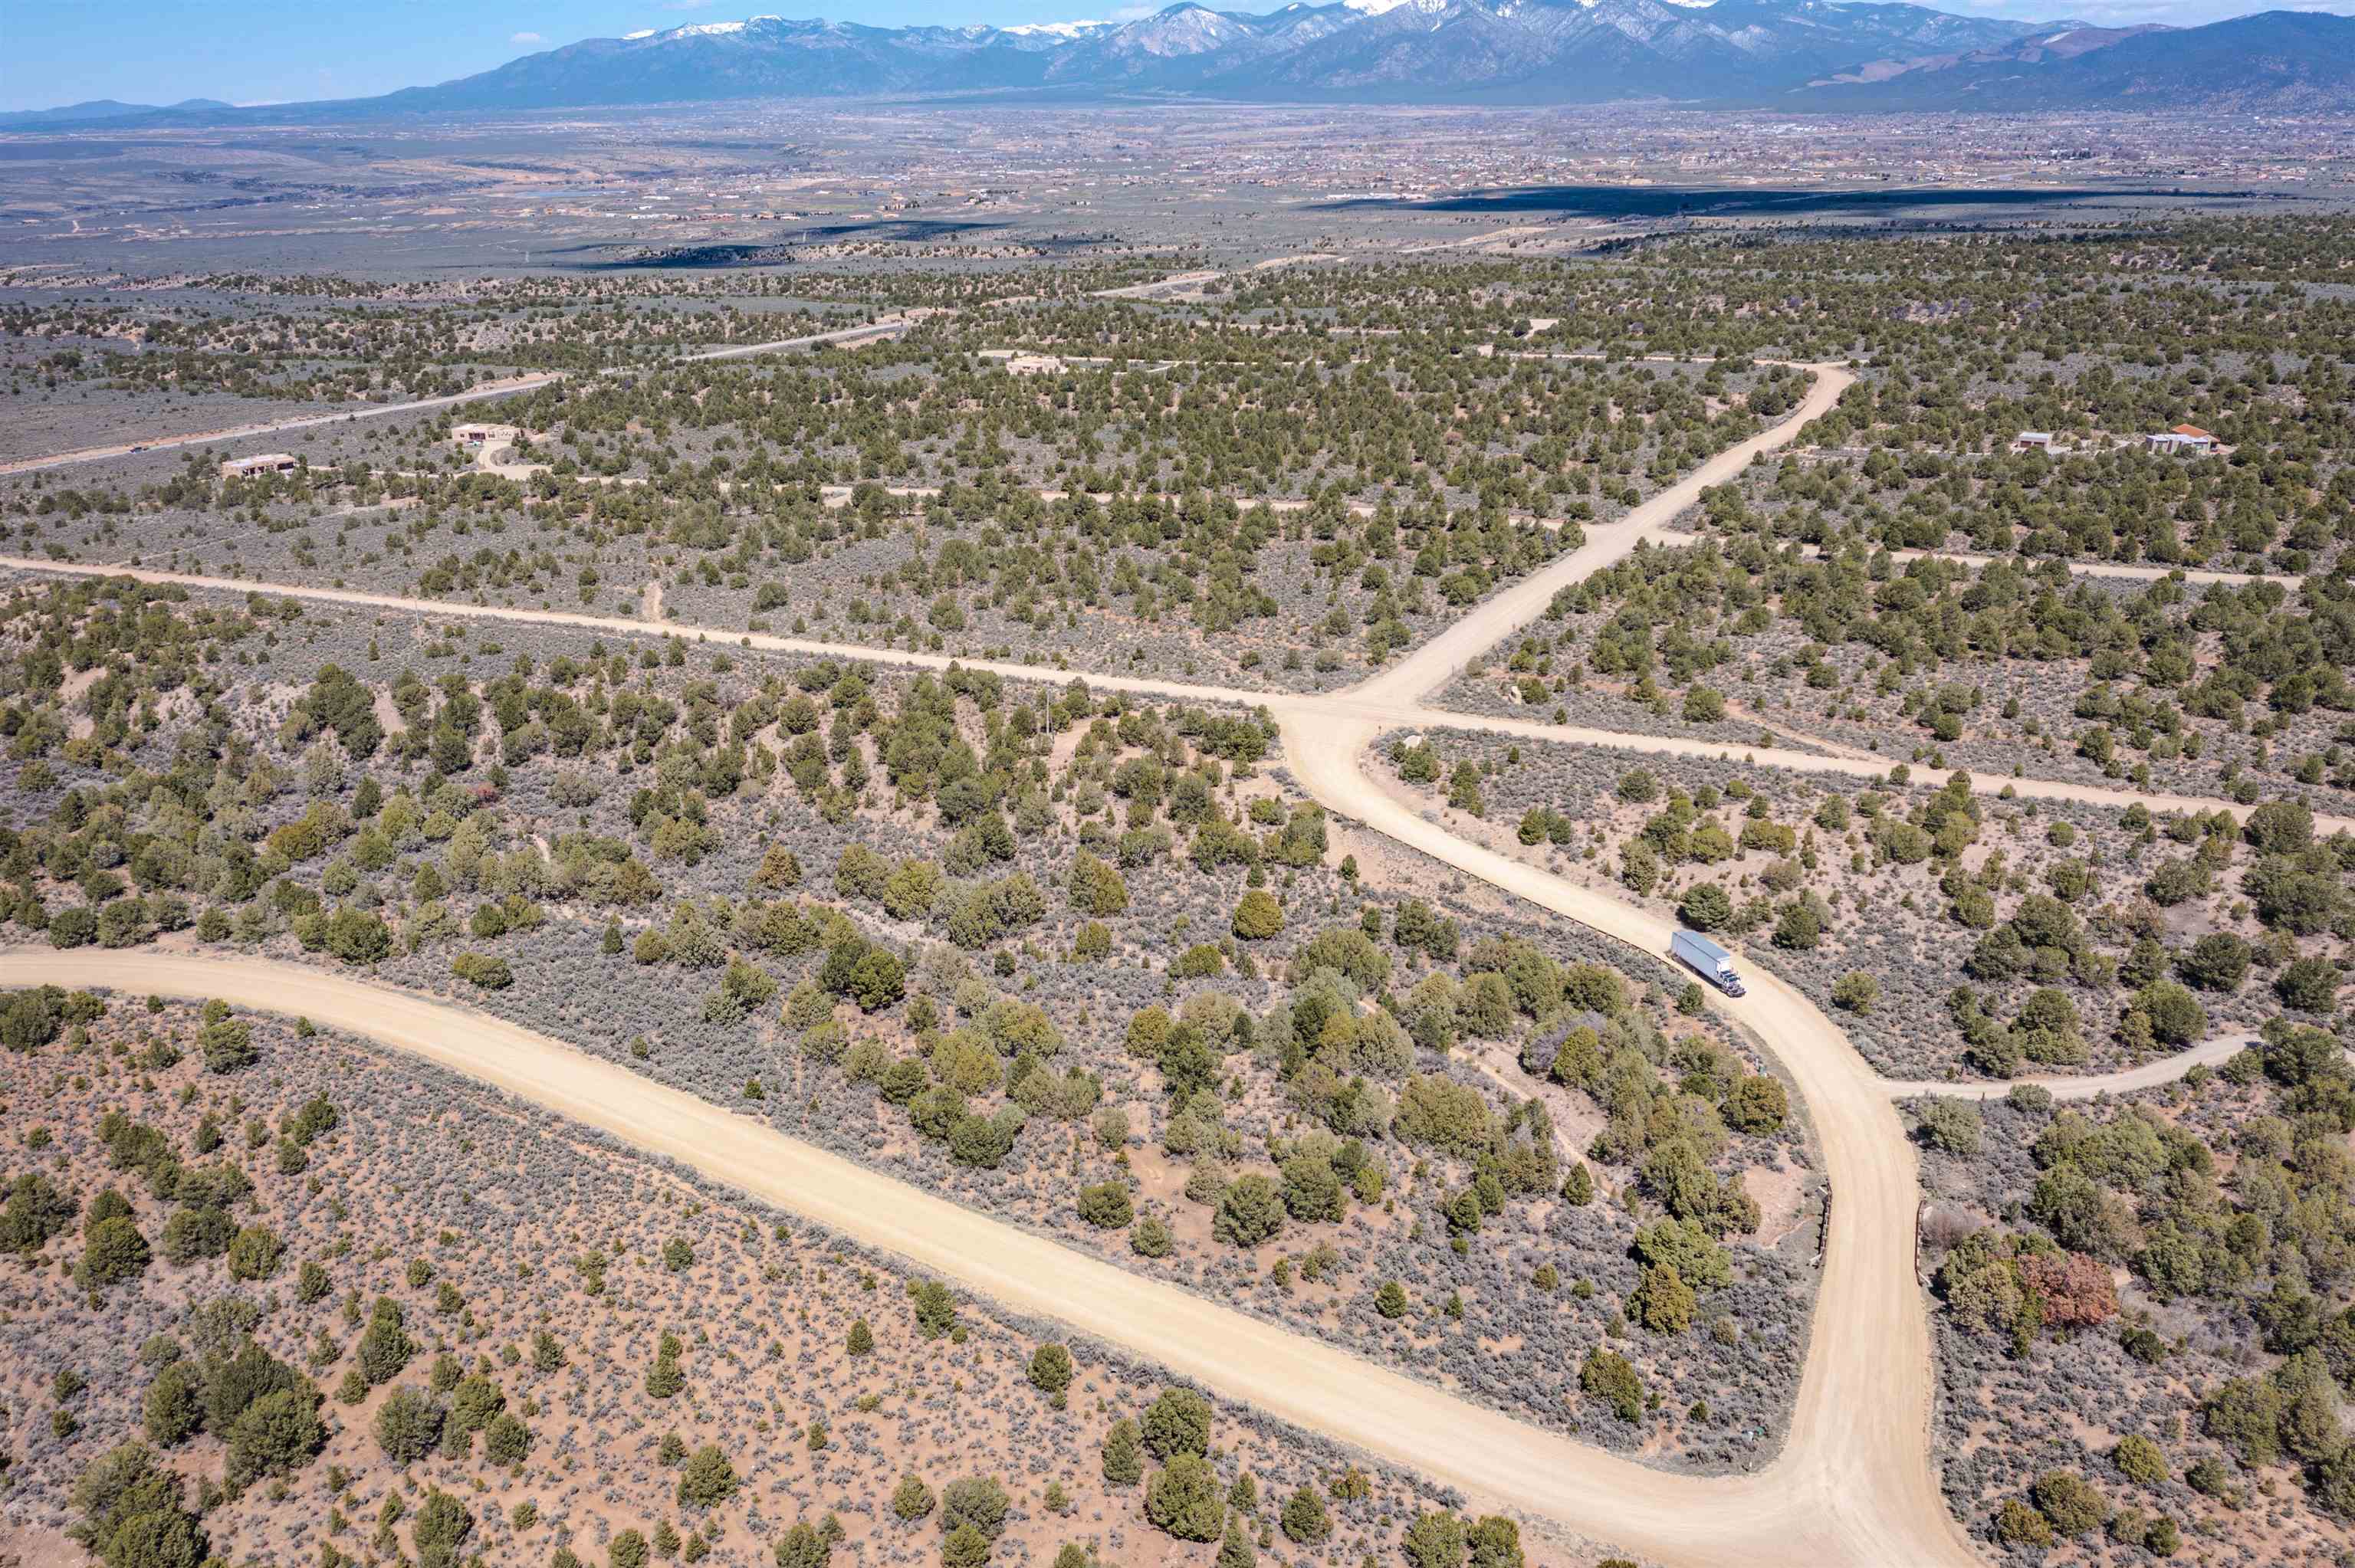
(1857, 992)
(1607, 1375)
(1050, 1368)
(1258, 916)
(1305, 1519)
(1183, 1499)
(707, 1480)
(113, 1251)
(1123, 1454)
(2139, 1460)
(912, 1499)
(976, 1502)
(1249, 1212)
(1106, 1205)
(408, 1424)
(1433, 1541)
(2072, 1505)
(1705, 906)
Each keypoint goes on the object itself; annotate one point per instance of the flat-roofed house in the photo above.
(268, 462)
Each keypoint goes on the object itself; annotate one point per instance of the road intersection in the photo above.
(1855, 1482)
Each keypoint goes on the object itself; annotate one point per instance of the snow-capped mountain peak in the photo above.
(1055, 30)
(1536, 51)
(699, 29)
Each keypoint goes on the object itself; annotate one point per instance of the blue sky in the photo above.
(158, 51)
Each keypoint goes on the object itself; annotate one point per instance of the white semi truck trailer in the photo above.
(1707, 960)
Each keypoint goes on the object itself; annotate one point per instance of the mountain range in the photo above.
(92, 109)
(1803, 55)
(2282, 61)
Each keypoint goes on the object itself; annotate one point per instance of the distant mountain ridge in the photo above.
(2034, 50)
(97, 108)
(1541, 51)
(2278, 61)
(1804, 55)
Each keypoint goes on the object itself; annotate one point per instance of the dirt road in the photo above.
(1859, 1449)
(1855, 1483)
(1676, 1519)
(1142, 685)
(1348, 704)
(2210, 1052)
(1497, 618)
(308, 422)
(1795, 761)
(487, 390)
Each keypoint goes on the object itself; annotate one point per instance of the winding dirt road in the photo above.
(1856, 1470)
(1680, 1521)
(2213, 1052)
(1855, 1482)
